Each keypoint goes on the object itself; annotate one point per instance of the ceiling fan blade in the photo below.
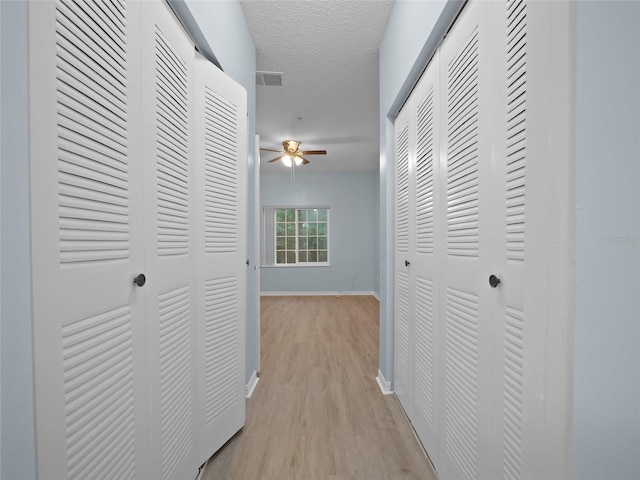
(277, 158)
(313, 152)
(304, 160)
(272, 150)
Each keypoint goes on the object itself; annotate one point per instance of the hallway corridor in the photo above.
(317, 412)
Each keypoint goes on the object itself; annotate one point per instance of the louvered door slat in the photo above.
(424, 351)
(175, 378)
(462, 159)
(461, 389)
(402, 190)
(514, 352)
(221, 174)
(424, 176)
(172, 137)
(401, 338)
(516, 129)
(221, 346)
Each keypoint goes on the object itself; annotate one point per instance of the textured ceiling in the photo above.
(328, 53)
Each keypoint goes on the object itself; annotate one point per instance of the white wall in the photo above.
(412, 34)
(18, 437)
(606, 403)
(351, 198)
(223, 24)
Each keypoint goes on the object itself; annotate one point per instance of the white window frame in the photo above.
(270, 235)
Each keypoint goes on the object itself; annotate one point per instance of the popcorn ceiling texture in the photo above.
(328, 52)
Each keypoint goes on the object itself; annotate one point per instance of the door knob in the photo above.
(140, 280)
(407, 263)
(494, 281)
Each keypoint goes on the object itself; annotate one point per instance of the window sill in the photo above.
(297, 265)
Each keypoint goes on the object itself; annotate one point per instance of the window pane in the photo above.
(302, 243)
(280, 256)
(291, 215)
(302, 229)
(291, 243)
(291, 229)
(322, 243)
(312, 215)
(280, 217)
(302, 256)
(280, 243)
(313, 243)
(302, 215)
(322, 228)
(313, 229)
(322, 215)
(281, 229)
(291, 257)
(322, 256)
(313, 256)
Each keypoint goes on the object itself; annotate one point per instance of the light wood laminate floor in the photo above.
(317, 412)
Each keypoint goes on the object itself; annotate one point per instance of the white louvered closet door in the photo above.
(499, 410)
(221, 172)
(472, 231)
(87, 241)
(426, 260)
(168, 133)
(403, 328)
(530, 420)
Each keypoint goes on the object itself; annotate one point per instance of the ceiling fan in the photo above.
(291, 154)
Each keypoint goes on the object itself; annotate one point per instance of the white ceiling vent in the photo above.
(269, 79)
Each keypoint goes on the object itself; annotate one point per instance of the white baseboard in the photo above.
(376, 296)
(251, 386)
(313, 294)
(385, 387)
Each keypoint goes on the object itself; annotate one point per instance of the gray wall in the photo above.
(606, 403)
(352, 199)
(411, 32)
(18, 437)
(223, 24)
(377, 236)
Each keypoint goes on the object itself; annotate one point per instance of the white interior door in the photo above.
(168, 135)
(532, 132)
(428, 241)
(403, 293)
(87, 241)
(472, 238)
(221, 159)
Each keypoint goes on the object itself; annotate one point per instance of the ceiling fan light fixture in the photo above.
(291, 146)
(291, 154)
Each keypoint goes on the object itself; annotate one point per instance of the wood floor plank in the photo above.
(317, 412)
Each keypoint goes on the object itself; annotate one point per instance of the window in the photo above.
(300, 236)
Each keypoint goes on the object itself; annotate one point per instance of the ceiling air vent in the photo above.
(269, 79)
